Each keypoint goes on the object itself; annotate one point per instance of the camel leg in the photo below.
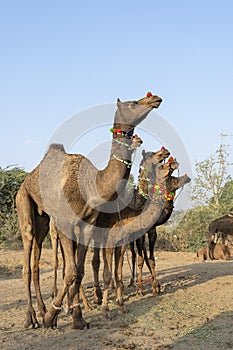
(152, 235)
(42, 228)
(78, 321)
(87, 306)
(50, 318)
(133, 254)
(54, 241)
(31, 320)
(119, 260)
(26, 219)
(145, 253)
(224, 237)
(140, 266)
(107, 277)
(96, 266)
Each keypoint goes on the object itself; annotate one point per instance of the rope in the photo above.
(56, 307)
(146, 280)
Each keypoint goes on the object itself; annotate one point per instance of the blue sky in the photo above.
(62, 57)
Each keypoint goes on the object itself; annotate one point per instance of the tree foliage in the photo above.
(212, 175)
(212, 197)
(10, 181)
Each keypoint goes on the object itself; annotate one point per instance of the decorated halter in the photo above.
(122, 132)
(158, 190)
(131, 147)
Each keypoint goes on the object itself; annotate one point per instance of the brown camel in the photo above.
(146, 170)
(68, 188)
(54, 235)
(148, 160)
(217, 251)
(173, 184)
(132, 223)
(221, 226)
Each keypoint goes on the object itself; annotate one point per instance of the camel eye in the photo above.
(133, 105)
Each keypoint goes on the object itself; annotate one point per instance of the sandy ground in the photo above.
(194, 310)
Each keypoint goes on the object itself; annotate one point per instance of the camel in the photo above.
(221, 226)
(146, 170)
(173, 184)
(149, 158)
(54, 235)
(68, 188)
(133, 222)
(217, 251)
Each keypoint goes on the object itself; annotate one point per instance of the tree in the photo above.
(212, 197)
(212, 175)
(226, 198)
(10, 181)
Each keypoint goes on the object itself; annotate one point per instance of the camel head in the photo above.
(136, 142)
(162, 171)
(177, 182)
(148, 164)
(132, 113)
(183, 180)
(154, 157)
(173, 164)
(150, 101)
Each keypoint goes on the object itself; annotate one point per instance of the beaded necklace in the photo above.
(126, 134)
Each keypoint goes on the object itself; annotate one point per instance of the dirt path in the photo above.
(194, 310)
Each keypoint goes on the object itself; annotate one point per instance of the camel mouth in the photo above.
(152, 101)
(185, 181)
(137, 142)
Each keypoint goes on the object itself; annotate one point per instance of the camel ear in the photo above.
(143, 153)
(118, 101)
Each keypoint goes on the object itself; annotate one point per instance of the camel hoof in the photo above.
(122, 310)
(131, 283)
(106, 313)
(80, 324)
(98, 295)
(50, 319)
(29, 325)
(140, 293)
(31, 321)
(156, 288)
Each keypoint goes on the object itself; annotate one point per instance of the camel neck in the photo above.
(119, 166)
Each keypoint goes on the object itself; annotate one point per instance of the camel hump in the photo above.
(56, 147)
